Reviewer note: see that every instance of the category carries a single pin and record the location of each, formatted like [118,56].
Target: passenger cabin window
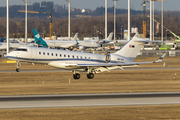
[77,57]
[39,53]
[60,55]
[68,56]
[56,55]
[47,53]
[43,53]
[21,49]
[81,57]
[52,54]
[73,56]
[64,55]
[85,58]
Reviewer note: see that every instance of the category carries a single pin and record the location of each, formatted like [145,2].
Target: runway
[89,100]
[160,68]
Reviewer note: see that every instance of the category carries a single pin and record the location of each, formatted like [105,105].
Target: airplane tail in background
[110,36]
[75,36]
[38,39]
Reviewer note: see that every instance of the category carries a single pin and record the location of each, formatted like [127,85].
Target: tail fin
[131,49]
[75,36]
[110,36]
[38,39]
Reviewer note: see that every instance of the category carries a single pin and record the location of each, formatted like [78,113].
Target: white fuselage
[14,45]
[61,58]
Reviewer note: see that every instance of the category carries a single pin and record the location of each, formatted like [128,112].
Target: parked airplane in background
[108,39]
[14,45]
[64,43]
[82,62]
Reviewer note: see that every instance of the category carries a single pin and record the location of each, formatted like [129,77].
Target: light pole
[17,31]
[105,19]
[114,21]
[69,19]
[43,32]
[129,19]
[7,32]
[150,19]
[153,20]
[94,30]
[162,22]
[97,33]
[121,32]
[25,1]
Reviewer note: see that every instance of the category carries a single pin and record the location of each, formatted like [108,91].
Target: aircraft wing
[69,45]
[116,64]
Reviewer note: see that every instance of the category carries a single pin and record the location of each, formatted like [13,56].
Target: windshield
[21,49]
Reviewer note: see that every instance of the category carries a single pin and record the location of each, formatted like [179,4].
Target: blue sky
[92,4]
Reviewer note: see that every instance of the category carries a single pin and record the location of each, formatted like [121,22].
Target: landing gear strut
[90,76]
[18,66]
[76,76]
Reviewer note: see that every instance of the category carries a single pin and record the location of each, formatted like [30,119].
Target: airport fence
[156,53]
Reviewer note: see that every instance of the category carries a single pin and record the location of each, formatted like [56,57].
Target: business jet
[81,62]
[14,45]
[64,43]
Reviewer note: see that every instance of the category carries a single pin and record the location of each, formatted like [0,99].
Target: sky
[172,5]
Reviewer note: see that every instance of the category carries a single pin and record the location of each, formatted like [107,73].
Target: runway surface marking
[88,100]
[171,68]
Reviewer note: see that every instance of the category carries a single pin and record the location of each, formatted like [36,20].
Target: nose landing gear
[18,66]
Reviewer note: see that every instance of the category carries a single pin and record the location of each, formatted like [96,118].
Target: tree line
[90,23]
[85,26]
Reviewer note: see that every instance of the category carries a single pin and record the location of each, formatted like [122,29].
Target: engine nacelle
[108,58]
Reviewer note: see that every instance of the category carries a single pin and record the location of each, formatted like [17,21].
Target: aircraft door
[33,53]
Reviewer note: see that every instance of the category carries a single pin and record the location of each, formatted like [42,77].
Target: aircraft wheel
[76,76]
[18,70]
[90,76]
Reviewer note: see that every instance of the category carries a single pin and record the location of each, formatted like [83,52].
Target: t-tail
[131,49]
[38,39]
[110,36]
[75,36]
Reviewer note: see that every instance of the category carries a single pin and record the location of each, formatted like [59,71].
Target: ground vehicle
[166,47]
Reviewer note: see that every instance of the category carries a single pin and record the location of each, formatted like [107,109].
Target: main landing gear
[18,66]
[90,75]
[76,76]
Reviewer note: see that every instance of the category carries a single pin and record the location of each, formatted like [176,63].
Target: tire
[90,76]
[18,70]
[76,76]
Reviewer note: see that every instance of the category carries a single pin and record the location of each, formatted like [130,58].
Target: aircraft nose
[8,55]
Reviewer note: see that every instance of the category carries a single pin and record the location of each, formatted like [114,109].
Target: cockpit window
[21,49]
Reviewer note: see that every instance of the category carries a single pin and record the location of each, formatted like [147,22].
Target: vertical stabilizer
[75,36]
[38,39]
[131,49]
[110,36]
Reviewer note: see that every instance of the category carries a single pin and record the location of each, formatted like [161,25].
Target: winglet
[160,59]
